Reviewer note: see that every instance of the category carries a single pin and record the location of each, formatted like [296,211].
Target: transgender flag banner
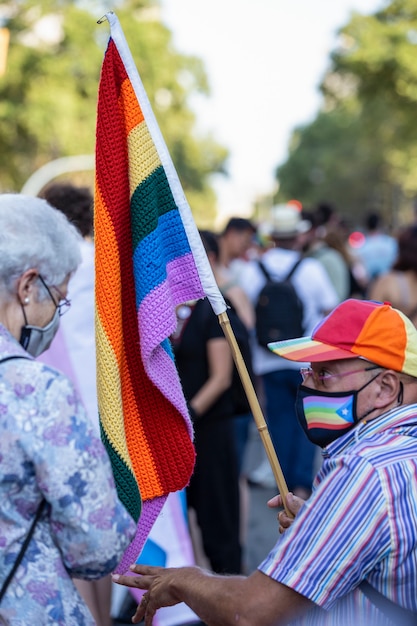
[148,259]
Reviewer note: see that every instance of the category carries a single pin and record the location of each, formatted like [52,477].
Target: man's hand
[158,583]
[294,504]
[217,600]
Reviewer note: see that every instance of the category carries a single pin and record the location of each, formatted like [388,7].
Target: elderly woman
[60,517]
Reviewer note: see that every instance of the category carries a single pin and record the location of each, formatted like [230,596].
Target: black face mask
[326,416]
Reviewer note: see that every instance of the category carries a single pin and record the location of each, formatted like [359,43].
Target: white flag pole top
[205,272]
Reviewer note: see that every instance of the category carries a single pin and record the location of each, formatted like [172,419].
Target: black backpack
[279,310]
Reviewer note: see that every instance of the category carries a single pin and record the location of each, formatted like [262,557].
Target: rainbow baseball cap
[358,328]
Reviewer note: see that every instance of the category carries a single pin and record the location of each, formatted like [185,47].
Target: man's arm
[218,600]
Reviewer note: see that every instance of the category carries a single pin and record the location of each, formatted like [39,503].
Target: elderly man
[350,555]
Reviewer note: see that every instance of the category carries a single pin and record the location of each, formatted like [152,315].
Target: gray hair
[35,235]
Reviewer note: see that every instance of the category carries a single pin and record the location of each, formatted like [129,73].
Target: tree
[333,160]
[363,143]
[48,96]
[379,56]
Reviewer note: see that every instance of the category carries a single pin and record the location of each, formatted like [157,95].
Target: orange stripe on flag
[130,110]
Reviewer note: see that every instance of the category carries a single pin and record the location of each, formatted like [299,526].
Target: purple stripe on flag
[150,511]
[182,284]
[168,384]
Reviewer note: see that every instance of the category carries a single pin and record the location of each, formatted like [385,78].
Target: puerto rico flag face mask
[326,416]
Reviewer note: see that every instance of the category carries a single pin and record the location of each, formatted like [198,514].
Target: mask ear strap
[401,394]
[363,387]
[368,383]
[24,314]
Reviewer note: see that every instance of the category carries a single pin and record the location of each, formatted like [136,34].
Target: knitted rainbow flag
[149,259]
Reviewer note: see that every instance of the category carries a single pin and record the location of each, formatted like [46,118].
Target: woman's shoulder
[26,365]
[34,382]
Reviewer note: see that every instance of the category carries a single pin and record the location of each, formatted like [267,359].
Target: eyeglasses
[64,304]
[306,372]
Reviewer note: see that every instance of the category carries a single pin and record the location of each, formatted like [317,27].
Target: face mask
[35,339]
[326,416]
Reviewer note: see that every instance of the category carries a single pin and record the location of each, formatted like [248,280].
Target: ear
[389,389]
[26,285]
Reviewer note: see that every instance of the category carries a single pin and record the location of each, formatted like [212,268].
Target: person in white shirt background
[278,377]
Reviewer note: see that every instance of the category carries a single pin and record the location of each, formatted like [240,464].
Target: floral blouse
[49,450]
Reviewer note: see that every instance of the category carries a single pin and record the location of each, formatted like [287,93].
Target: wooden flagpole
[255,407]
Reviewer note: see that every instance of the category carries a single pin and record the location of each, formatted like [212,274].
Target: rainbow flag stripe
[144,269]
[333,413]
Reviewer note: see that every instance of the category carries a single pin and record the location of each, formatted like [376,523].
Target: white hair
[35,235]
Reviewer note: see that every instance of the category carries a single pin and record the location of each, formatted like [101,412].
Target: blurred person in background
[74,349]
[56,484]
[235,242]
[379,249]
[280,378]
[338,238]
[399,285]
[313,244]
[242,319]
[326,216]
[223,250]
[205,366]
[242,308]
[334,231]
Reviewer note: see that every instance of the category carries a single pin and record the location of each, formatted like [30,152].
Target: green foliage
[48,96]
[361,151]
[332,160]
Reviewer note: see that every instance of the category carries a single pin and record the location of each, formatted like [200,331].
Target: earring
[26,300]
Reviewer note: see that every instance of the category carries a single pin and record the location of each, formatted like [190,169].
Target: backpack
[279,310]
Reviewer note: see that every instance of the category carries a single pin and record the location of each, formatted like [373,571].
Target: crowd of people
[338,388]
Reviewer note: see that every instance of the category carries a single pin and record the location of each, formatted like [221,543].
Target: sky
[264,60]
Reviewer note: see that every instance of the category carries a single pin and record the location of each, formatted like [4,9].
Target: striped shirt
[359,523]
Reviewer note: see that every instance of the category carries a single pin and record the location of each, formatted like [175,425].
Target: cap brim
[305,349]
